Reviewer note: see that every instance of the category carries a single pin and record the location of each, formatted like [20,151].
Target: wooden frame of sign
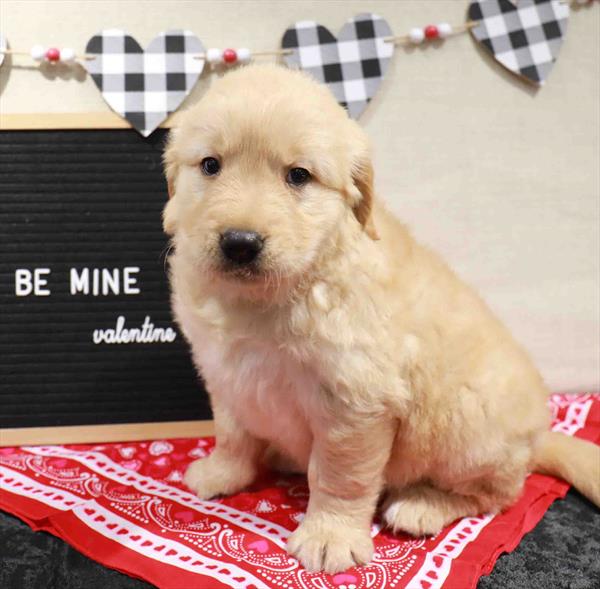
[63,121]
[74,292]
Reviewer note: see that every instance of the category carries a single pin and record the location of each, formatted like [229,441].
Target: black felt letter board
[86,335]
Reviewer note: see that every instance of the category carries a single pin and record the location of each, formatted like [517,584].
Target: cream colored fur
[356,353]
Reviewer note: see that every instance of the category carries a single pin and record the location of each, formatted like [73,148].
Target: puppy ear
[362,179]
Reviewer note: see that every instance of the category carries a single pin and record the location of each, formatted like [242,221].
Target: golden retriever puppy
[323,331]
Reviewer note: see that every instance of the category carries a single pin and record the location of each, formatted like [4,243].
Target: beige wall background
[501,179]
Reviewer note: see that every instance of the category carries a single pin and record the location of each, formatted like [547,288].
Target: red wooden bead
[431,32]
[53,54]
[229,56]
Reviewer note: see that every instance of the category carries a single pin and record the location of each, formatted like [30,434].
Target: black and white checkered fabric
[144,87]
[353,66]
[524,37]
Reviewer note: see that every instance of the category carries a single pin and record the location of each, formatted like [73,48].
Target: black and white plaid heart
[524,37]
[145,87]
[353,66]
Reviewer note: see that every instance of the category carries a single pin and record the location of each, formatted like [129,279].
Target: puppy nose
[241,247]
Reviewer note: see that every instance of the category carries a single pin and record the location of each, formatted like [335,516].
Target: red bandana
[124,505]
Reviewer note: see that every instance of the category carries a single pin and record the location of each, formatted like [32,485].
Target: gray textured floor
[562,552]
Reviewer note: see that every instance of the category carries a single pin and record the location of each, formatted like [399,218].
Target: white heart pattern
[264,506]
[175,476]
[524,37]
[352,66]
[160,447]
[197,453]
[127,452]
[144,87]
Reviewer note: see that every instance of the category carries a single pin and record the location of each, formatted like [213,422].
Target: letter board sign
[86,335]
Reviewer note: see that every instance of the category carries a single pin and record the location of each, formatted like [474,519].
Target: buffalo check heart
[145,87]
[524,37]
[352,66]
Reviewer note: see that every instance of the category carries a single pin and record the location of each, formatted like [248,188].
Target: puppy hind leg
[422,509]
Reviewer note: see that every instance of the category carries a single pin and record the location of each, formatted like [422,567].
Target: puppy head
[261,173]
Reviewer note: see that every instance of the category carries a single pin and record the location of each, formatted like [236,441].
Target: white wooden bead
[67,55]
[214,56]
[416,35]
[444,29]
[244,55]
[38,53]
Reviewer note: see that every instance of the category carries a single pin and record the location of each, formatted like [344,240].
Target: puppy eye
[210,166]
[298,176]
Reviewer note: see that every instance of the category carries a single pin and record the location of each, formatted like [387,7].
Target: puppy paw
[322,544]
[216,475]
[417,520]
[424,511]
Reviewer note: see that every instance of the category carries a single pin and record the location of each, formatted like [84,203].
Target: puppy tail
[572,459]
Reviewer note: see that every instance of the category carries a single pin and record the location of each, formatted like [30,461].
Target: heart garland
[352,66]
[524,37]
[145,87]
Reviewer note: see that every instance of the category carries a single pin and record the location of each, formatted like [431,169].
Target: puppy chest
[271,394]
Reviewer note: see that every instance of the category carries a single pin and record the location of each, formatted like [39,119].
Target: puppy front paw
[217,475]
[322,544]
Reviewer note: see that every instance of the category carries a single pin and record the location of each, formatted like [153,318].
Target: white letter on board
[23,283]
[39,282]
[80,283]
[130,281]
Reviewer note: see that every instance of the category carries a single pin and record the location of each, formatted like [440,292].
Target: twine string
[459,30]
[89,57]
[399,40]
[84,57]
